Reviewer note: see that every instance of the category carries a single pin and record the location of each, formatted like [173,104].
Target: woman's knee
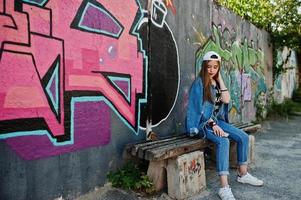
[224,142]
[244,137]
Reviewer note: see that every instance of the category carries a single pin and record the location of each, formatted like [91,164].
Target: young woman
[207,117]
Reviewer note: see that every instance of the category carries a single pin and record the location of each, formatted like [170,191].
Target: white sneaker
[249,179]
[225,193]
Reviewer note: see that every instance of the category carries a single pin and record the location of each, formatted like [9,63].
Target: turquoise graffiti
[278,68]
[285,72]
[238,58]
[285,60]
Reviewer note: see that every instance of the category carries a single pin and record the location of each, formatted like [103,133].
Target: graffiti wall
[242,68]
[81,79]
[286,81]
[69,70]
[245,51]
[64,66]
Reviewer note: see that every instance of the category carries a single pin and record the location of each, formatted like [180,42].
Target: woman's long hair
[206,81]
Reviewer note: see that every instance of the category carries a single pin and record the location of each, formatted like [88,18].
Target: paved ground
[278,163]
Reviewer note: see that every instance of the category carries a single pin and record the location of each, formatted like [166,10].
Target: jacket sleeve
[194,108]
[223,112]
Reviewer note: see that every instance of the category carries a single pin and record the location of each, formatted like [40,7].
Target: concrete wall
[76,76]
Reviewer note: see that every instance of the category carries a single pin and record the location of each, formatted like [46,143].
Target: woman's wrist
[212,123]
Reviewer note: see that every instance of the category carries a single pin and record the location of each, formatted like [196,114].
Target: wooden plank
[155,144]
[133,148]
[237,124]
[142,150]
[173,150]
[176,145]
[248,127]
[252,129]
[241,125]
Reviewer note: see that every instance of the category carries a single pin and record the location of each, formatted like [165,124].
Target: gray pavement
[278,163]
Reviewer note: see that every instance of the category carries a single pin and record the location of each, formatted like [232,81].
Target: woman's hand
[219,77]
[218,131]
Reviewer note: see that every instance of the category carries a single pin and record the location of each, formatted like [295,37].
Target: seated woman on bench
[207,117]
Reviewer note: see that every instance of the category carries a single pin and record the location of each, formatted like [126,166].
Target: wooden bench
[160,151]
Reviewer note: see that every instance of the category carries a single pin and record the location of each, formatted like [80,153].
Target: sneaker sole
[219,197]
[250,184]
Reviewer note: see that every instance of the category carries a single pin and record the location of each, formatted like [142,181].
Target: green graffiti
[212,45]
[237,58]
[278,68]
[235,90]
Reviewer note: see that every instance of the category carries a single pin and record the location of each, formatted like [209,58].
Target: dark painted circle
[163,75]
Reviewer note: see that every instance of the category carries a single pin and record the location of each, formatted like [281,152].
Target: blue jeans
[222,146]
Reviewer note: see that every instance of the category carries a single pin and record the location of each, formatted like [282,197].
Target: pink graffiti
[26,57]
[32,40]
[13,25]
[86,53]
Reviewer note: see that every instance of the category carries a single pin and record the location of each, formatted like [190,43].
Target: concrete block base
[157,173]
[186,175]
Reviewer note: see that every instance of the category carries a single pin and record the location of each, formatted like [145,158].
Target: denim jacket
[199,111]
